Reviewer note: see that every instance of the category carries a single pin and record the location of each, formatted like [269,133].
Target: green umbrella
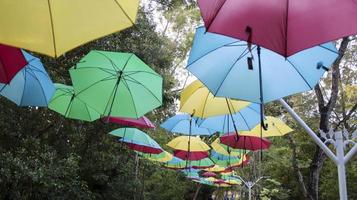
[137,140]
[65,102]
[117,84]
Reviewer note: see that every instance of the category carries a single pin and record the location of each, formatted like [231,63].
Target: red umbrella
[209,174]
[142,122]
[143,148]
[244,142]
[192,155]
[283,26]
[11,61]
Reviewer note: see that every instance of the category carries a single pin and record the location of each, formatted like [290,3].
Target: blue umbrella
[31,86]
[229,69]
[185,124]
[244,120]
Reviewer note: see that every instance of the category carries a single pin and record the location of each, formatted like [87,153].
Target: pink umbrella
[283,26]
[12,61]
[245,142]
[142,122]
[209,174]
[192,155]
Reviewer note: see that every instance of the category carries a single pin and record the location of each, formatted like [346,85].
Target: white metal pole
[341,165]
[312,134]
[250,192]
[350,153]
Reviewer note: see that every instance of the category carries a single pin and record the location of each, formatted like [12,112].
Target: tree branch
[294,161]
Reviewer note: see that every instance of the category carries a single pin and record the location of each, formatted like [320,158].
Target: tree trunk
[197,191]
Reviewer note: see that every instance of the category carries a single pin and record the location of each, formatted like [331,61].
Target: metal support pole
[312,134]
[341,165]
[349,155]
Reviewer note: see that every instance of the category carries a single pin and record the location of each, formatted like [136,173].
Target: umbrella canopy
[162,157]
[285,27]
[216,168]
[55,27]
[201,164]
[200,102]
[186,125]
[191,173]
[245,142]
[187,143]
[223,160]
[31,86]
[191,155]
[11,61]
[245,119]
[142,122]
[117,84]
[279,76]
[209,174]
[276,127]
[176,163]
[223,149]
[65,102]
[137,140]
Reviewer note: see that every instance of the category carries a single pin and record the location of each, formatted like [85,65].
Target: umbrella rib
[245,52]
[129,73]
[131,96]
[23,91]
[213,50]
[246,123]
[303,78]
[111,72]
[110,60]
[336,52]
[126,14]
[137,82]
[52,28]
[205,103]
[215,14]
[104,79]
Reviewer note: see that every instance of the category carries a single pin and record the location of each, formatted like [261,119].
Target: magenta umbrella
[142,122]
[12,61]
[209,174]
[283,26]
[244,142]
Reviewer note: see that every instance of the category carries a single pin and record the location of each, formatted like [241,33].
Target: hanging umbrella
[200,102]
[279,77]
[209,174]
[162,157]
[284,27]
[225,161]
[137,140]
[11,61]
[182,143]
[189,148]
[244,162]
[226,150]
[216,168]
[276,127]
[245,119]
[55,27]
[175,163]
[245,142]
[31,86]
[142,122]
[65,102]
[185,124]
[117,84]
[191,173]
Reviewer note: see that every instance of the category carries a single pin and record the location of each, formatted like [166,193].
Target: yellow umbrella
[276,127]
[226,150]
[212,179]
[215,168]
[55,27]
[197,99]
[181,143]
[161,157]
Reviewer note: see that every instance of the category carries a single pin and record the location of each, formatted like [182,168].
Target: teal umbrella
[137,140]
[65,102]
[117,84]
